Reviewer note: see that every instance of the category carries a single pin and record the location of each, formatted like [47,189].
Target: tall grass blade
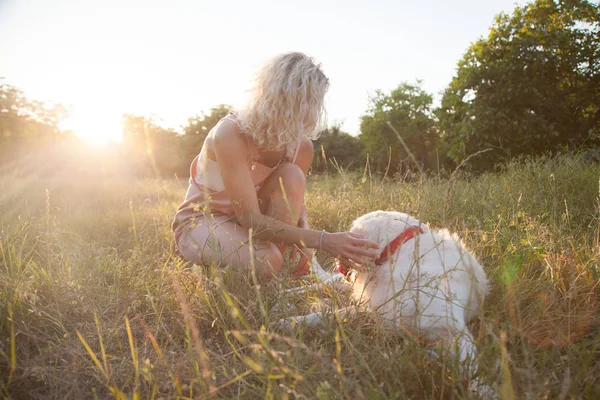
[134,358]
[92,355]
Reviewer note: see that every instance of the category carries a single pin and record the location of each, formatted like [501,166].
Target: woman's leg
[282,195]
[284,204]
[220,240]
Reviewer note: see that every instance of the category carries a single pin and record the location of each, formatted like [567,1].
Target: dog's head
[382,227]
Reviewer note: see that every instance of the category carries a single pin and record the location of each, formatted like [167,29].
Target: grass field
[94,302]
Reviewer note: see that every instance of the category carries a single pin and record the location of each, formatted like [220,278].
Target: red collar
[391,248]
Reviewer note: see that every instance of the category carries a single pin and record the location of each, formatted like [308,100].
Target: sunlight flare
[95,125]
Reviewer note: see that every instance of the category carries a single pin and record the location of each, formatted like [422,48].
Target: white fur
[431,287]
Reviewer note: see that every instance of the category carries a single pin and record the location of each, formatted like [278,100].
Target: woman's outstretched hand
[349,247]
[306,255]
[303,265]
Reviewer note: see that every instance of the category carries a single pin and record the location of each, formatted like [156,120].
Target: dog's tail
[480,287]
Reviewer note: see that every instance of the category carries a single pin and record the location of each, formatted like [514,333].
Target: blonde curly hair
[286,104]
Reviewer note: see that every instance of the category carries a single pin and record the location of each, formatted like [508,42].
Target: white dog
[424,281]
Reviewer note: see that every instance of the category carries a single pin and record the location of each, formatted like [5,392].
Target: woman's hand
[349,248]
[306,255]
[303,265]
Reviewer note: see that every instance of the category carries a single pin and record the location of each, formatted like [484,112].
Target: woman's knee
[294,180]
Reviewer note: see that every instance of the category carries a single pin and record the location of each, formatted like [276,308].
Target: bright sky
[179,57]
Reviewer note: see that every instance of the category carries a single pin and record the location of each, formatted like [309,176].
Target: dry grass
[94,302]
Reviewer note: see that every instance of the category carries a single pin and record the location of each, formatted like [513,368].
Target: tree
[531,86]
[409,109]
[152,149]
[197,129]
[346,150]
[26,126]
[155,150]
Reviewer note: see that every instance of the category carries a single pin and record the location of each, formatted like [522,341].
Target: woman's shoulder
[305,154]
[227,128]
[233,120]
[228,134]
[306,148]
[307,145]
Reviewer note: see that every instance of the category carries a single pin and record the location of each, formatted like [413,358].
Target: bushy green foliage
[151,149]
[532,86]
[26,126]
[197,129]
[409,109]
[156,151]
[335,148]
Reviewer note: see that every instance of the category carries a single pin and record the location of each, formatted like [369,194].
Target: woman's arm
[231,151]
[304,161]
[303,220]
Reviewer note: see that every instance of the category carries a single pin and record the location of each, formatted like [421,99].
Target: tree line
[532,86]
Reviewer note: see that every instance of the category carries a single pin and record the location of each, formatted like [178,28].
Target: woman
[251,175]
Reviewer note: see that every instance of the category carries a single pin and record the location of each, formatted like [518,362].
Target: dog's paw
[484,392]
[283,308]
[283,324]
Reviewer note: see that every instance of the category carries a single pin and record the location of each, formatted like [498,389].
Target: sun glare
[95,127]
